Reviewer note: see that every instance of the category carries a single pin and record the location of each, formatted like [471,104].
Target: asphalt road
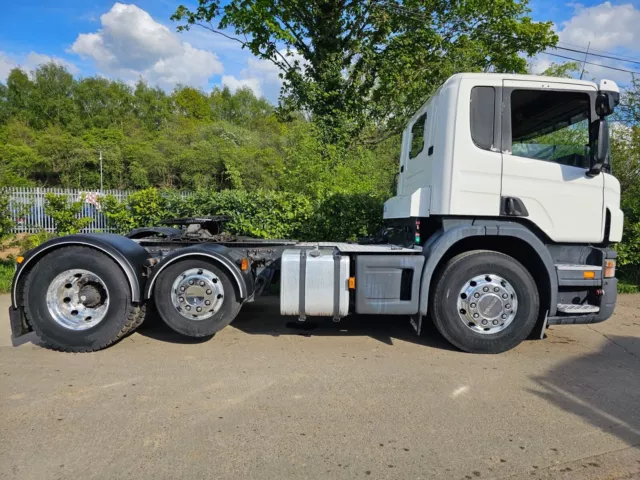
[363,398]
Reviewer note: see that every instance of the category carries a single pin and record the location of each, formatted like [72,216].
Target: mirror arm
[595,170]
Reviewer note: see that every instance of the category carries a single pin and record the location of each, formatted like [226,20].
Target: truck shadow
[263,318]
[601,388]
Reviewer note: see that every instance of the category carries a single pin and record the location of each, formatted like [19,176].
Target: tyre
[195,298]
[77,299]
[484,302]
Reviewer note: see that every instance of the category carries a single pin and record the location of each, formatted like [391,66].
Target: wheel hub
[197,294]
[77,299]
[487,304]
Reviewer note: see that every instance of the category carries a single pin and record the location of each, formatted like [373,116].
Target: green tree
[191,103]
[151,106]
[102,103]
[562,70]
[51,101]
[18,93]
[355,62]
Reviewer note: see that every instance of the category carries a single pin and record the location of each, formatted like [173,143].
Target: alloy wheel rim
[487,304]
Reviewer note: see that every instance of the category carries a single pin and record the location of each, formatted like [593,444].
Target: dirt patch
[9,252]
[11,247]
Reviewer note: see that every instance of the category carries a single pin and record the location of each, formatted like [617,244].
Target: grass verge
[624,287]
[628,279]
[6,275]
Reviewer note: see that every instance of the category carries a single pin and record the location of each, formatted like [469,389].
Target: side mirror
[606,103]
[601,156]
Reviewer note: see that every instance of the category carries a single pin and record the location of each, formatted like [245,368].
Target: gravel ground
[363,398]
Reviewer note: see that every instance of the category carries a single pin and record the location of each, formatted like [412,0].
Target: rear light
[589,275]
[609,268]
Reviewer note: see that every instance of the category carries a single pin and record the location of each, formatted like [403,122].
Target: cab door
[415,162]
[546,142]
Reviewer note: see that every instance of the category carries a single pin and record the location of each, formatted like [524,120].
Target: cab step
[577,309]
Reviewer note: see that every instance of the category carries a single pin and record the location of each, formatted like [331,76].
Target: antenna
[585,60]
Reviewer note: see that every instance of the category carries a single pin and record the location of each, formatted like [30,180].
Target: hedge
[260,213]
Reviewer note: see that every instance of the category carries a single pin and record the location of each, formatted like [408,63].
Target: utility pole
[584,62]
[100,171]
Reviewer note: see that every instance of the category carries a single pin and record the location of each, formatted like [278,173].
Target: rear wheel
[195,298]
[485,302]
[78,300]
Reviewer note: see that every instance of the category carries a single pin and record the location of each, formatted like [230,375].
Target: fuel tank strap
[303,281]
[336,285]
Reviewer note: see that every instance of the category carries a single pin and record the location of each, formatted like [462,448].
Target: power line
[624,58]
[577,60]
[590,52]
[410,13]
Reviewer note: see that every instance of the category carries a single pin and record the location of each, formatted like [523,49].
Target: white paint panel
[403,206]
[476,174]
[561,200]
[612,204]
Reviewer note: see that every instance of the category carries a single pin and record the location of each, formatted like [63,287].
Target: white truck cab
[496,145]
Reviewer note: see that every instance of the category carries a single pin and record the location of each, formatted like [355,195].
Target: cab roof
[515,76]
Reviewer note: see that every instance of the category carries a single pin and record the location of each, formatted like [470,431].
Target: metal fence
[27,208]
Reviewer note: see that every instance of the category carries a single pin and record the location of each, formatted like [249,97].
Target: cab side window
[417,136]
[482,109]
[552,126]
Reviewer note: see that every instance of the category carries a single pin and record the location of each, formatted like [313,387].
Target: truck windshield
[551,126]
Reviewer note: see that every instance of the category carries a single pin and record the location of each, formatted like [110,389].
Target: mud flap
[416,323]
[539,330]
[18,326]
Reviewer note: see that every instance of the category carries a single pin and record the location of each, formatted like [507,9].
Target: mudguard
[143,232]
[224,257]
[438,245]
[125,252]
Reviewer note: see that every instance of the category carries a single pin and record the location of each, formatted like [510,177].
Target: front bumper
[607,306]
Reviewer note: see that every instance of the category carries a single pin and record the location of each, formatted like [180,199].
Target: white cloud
[233,84]
[34,59]
[605,25]
[132,45]
[30,62]
[262,76]
[263,69]
[6,65]
[604,28]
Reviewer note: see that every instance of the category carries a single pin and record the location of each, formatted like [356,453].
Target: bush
[6,223]
[343,216]
[143,208]
[117,214]
[65,213]
[260,213]
[29,242]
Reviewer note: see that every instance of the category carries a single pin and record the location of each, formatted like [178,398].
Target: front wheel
[195,298]
[485,302]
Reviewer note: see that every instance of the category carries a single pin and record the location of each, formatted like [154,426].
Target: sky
[130,41]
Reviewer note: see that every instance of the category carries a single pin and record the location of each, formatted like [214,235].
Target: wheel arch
[505,237]
[127,254]
[218,254]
